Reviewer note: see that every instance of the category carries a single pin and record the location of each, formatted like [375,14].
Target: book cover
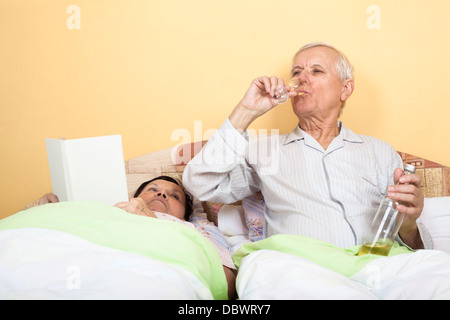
[88,169]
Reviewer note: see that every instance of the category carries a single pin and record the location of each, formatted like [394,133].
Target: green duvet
[343,261]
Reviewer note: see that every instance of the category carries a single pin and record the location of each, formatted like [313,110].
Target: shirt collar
[345,134]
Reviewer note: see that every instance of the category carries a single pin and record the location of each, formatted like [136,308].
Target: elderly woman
[162,194]
[164,198]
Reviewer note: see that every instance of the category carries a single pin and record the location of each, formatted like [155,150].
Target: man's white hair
[343,65]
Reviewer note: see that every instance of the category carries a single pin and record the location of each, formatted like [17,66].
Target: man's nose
[303,77]
[160,194]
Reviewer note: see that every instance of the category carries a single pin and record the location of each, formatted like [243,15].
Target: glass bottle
[385,225]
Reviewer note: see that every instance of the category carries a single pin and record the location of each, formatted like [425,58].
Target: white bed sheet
[267,274]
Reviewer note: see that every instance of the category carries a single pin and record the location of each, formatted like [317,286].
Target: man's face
[315,71]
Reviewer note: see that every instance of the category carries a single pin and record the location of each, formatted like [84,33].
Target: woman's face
[166,197]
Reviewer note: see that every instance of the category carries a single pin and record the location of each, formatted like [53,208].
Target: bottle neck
[405,173]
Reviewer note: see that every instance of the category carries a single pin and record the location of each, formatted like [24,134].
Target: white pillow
[231,223]
[242,223]
[436,217]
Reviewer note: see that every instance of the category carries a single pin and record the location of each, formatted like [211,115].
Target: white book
[89,169]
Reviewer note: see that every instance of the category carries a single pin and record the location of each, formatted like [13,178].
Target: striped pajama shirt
[331,195]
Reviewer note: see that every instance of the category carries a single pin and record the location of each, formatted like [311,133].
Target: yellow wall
[144,69]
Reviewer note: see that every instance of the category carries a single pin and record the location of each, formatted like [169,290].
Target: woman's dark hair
[189,203]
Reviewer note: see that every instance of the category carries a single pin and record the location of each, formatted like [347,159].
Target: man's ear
[347,89]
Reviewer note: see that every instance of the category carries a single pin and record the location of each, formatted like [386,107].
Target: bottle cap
[410,168]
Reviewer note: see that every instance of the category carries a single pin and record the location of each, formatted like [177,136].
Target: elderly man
[325,181]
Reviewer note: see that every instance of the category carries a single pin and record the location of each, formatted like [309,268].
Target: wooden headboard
[435,177]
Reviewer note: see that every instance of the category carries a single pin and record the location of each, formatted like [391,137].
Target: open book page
[89,169]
